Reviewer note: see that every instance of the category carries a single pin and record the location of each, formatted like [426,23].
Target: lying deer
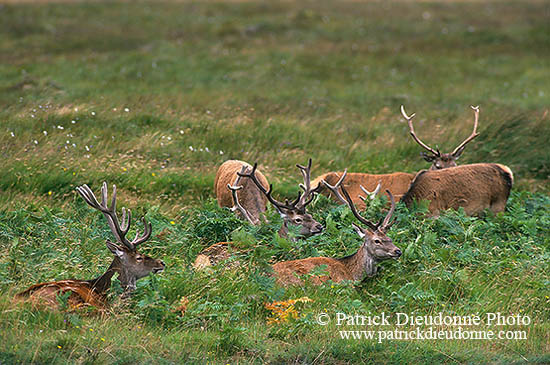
[442,160]
[128,263]
[253,188]
[360,183]
[474,187]
[377,246]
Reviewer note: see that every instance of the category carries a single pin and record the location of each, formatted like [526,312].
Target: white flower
[126,110]
[60,127]
[13,135]
[45,133]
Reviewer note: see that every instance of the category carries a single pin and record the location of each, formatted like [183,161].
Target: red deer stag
[128,263]
[293,213]
[256,191]
[377,246]
[474,187]
[442,160]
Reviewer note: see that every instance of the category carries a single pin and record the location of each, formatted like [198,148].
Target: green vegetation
[153,96]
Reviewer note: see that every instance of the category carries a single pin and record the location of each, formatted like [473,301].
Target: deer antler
[334,188]
[237,205]
[386,222]
[119,231]
[355,213]
[267,193]
[370,195]
[309,194]
[457,151]
[413,134]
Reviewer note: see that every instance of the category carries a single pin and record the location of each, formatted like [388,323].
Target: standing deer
[442,160]
[377,246]
[128,263]
[474,187]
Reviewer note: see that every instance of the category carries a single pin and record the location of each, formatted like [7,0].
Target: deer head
[128,262]
[293,213]
[442,160]
[377,246]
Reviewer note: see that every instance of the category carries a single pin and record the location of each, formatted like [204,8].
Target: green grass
[153,96]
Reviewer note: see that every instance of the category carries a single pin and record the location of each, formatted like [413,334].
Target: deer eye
[298,220]
[377,241]
[139,258]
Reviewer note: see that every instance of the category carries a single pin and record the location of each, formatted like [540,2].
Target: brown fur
[46,294]
[288,272]
[474,187]
[250,196]
[398,183]
[214,254]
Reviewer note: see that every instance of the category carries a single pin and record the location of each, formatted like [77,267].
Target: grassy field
[153,96]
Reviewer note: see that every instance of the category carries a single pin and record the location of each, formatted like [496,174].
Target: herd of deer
[242,188]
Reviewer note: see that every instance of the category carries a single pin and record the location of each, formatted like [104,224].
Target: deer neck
[360,263]
[102,283]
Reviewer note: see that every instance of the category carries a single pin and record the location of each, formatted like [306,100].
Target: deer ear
[360,231]
[115,249]
[427,156]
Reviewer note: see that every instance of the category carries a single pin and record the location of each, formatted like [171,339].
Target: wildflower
[153,174]
[60,127]
[102,339]
[59,347]
[13,135]
[191,148]
[45,133]
[50,192]
[221,152]
[172,222]
[126,110]
[124,169]
[284,310]
[93,113]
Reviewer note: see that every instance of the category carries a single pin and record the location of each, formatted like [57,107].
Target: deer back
[288,272]
[398,183]
[81,294]
[474,187]
[250,196]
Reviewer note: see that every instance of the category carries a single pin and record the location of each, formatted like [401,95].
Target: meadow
[153,95]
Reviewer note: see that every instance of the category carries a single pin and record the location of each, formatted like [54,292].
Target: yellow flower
[172,222]
[50,192]
[153,174]
[91,330]
[58,346]
[102,339]
[124,169]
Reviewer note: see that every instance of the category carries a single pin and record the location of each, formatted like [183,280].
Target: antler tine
[413,134]
[354,211]
[474,132]
[334,188]
[386,223]
[147,230]
[267,193]
[370,194]
[309,194]
[109,213]
[237,205]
